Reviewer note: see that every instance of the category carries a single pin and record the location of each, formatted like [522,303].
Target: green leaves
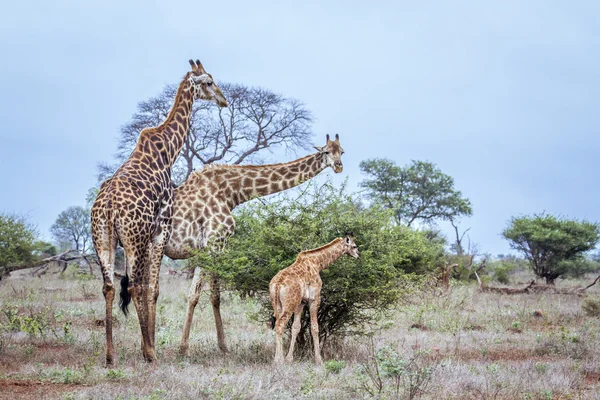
[553,246]
[17,240]
[419,191]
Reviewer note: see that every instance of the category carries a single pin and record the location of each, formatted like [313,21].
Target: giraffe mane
[173,110]
[213,167]
[318,249]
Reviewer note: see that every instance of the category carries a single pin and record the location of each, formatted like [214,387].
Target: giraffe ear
[347,239]
[319,148]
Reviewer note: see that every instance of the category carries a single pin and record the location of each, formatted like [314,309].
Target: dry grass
[461,345]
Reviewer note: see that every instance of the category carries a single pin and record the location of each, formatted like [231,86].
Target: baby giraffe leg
[314,329]
[280,324]
[295,330]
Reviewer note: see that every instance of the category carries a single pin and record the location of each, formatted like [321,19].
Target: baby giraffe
[300,283]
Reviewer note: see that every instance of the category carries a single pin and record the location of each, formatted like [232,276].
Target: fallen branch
[532,288]
[42,265]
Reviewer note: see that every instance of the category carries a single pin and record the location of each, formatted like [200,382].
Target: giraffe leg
[156,249]
[280,324]
[109,294]
[215,300]
[314,329]
[295,330]
[140,296]
[139,290]
[193,296]
[106,246]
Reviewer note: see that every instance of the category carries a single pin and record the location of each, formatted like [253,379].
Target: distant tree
[256,119]
[553,246]
[418,191]
[17,240]
[72,229]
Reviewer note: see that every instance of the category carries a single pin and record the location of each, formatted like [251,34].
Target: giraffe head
[331,154]
[203,86]
[350,246]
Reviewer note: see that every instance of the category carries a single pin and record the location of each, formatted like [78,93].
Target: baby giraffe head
[203,86]
[331,154]
[350,247]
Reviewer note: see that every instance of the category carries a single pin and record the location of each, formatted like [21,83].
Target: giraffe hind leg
[106,246]
[138,289]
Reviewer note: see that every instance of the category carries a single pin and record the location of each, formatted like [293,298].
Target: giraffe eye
[209,83]
[326,152]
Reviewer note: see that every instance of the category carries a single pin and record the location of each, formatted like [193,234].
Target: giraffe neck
[173,132]
[326,255]
[263,180]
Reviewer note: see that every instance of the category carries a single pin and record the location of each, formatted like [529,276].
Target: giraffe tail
[125,297]
[274,292]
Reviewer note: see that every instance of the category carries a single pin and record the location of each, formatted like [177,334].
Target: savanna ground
[459,345]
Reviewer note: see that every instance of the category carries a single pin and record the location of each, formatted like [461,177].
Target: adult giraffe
[202,212]
[134,207]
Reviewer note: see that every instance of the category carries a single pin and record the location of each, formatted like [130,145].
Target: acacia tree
[255,119]
[72,229]
[553,246]
[418,191]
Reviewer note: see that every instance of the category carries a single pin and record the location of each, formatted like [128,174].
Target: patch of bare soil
[27,389]
[592,377]
[45,353]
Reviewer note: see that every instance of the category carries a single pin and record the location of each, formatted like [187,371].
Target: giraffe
[301,283]
[134,208]
[202,212]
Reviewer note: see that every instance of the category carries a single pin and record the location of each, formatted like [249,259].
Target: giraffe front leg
[215,300]
[314,329]
[193,297]
[295,330]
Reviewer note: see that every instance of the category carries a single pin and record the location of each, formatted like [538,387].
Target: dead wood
[533,287]
[42,265]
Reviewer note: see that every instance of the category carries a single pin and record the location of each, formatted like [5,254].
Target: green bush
[17,240]
[335,366]
[591,306]
[270,235]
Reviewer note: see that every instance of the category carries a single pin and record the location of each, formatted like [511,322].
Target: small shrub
[335,366]
[115,374]
[591,306]
[541,368]
[387,372]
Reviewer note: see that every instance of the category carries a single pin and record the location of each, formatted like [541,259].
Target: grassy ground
[460,345]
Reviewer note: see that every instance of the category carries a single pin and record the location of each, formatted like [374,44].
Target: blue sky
[502,96]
